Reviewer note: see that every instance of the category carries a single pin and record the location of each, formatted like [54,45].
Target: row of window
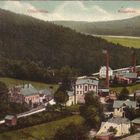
[90,86]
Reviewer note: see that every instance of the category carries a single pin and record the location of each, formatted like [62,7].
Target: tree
[71,132]
[123,94]
[92,110]
[3,92]
[61,98]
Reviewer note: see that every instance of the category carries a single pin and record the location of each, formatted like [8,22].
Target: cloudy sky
[74,10]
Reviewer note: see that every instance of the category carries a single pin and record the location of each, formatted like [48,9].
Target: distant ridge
[124,27]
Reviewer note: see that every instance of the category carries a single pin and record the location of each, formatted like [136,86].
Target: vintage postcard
[69,70]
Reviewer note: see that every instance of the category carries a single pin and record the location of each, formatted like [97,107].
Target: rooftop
[129,75]
[28,90]
[120,103]
[87,80]
[137,121]
[9,117]
[118,120]
[70,93]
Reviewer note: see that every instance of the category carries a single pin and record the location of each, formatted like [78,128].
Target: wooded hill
[44,44]
[125,27]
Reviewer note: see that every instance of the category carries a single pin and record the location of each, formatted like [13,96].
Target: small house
[120,105]
[121,125]
[10,120]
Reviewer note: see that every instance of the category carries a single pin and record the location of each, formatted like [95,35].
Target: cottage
[84,85]
[102,72]
[121,125]
[120,105]
[10,120]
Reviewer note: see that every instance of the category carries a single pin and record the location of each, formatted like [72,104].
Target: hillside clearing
[12,82]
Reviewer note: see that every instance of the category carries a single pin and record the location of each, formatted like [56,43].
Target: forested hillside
[29,48]
[125,27]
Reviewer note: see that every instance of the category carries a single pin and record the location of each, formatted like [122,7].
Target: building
[102,72]
[84,85]
[71,100]
[46,95]
[126,78]
[120,105]
[122,126]
[10,120]
[24,94]
[136,123]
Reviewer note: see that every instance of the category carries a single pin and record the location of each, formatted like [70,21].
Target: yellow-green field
[131,88]
[128,42]
[12,82]
[41,132]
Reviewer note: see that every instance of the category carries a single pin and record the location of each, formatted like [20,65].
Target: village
[115,109]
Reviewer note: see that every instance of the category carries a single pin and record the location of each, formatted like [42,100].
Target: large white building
[84,85]
[102,72]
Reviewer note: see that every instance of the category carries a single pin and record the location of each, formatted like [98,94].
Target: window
[77,92]
[85,88]
[80,86]
[80,92]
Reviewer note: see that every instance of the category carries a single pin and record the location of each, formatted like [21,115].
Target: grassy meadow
[41,132]
[12,82]
[127,42]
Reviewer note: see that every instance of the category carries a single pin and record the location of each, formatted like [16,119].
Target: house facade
[102,72]
[84,85]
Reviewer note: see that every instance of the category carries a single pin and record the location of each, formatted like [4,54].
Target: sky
[74,10]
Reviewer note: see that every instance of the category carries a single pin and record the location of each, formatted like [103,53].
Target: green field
[128,42]
[131,88]
[12,82]
[40,132]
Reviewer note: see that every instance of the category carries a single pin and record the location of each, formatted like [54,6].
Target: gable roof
[120,103]
[28,90]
